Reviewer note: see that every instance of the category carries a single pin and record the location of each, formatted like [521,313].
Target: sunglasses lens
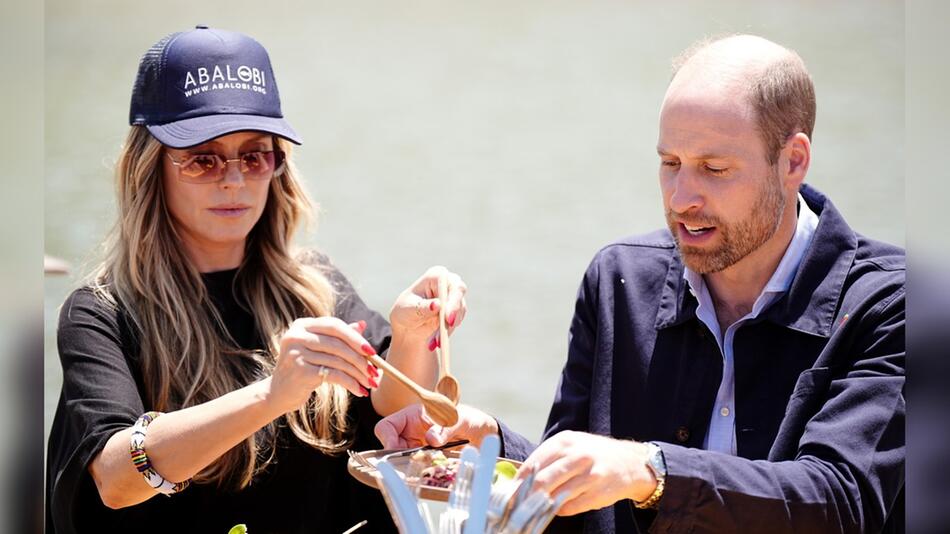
[201,168]
[257,165]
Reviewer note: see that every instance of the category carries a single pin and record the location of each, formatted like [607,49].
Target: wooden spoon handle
[439,407]
[397,374]
[443,329]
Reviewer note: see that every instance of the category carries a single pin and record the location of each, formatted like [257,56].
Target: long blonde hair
[187,356]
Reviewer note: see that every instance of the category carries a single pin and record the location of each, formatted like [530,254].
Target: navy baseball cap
[196,85]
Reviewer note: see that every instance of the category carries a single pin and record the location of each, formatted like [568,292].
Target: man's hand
[411,427]
[595,471]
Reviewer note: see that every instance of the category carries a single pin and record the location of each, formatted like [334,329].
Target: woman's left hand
[415,314]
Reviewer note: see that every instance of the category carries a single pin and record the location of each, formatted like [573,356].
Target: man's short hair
[782,95]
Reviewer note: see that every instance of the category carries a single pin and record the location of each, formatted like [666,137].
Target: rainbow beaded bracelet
[140,459]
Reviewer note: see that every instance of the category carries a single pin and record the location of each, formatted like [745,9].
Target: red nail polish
[371,369]
[438,342]
[362,325]
[373,382]
[432,306]
[432,345]
[451,319]
[364,391]
[367,349]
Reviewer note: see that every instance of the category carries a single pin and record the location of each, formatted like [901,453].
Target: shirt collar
[781,278]
[810,301]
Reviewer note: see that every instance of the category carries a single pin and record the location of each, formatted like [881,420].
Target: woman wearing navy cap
[204,349]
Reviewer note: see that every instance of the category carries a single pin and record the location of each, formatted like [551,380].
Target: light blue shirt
[721,435]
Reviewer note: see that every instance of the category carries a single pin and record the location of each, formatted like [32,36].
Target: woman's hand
[415,314]
[315,350]
[415,325]
[411,427]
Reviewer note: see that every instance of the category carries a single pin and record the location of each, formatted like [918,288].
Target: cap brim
[190,132]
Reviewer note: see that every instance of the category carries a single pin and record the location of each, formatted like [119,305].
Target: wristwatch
[656,463]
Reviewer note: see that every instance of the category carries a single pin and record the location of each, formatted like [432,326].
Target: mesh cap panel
[147,90]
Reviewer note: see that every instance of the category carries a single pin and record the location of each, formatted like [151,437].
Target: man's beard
[736,240]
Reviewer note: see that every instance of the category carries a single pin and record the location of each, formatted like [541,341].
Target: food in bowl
[433,468]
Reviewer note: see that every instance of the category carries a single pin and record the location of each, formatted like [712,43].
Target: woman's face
[214,219]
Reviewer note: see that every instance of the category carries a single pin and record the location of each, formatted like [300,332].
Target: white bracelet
[140,459]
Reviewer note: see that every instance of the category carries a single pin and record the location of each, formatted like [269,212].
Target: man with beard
[743,370]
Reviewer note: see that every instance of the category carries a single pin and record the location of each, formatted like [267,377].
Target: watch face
[657,461]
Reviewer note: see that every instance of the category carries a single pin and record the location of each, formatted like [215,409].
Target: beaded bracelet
[140,459]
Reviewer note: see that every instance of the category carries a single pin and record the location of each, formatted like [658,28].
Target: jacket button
[682,434]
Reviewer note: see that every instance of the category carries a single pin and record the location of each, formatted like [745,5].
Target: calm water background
[508,141]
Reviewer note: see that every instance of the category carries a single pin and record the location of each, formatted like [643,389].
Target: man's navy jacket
[819,387]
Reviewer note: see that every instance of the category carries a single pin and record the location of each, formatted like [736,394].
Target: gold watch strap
[654,498]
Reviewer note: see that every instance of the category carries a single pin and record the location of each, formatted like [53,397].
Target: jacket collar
[810,303]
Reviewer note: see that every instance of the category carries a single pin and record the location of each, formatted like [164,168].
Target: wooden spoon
[447,384]
[440,409]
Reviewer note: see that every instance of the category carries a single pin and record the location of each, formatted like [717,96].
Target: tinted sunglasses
[211,168]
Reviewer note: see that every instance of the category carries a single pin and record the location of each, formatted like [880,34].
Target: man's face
[721,197]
